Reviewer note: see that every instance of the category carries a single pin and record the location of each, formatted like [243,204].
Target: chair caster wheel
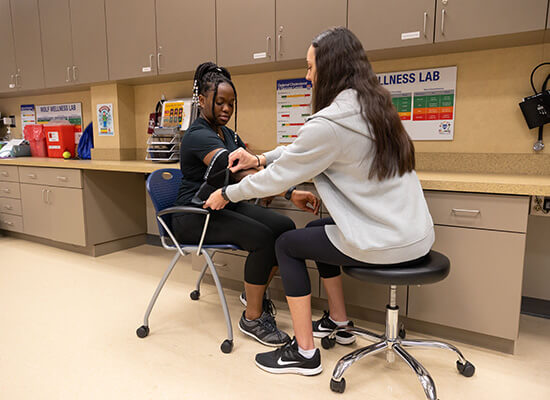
[402,333]
[467,369]
[328,343]
[142,331]
[195,294]
[338,387]
[227,346]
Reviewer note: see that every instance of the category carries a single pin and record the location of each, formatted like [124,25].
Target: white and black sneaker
[324,326]
[264,330]
[288,360]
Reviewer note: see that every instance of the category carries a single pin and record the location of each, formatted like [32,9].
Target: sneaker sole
[292,370]
[259,340]
[339,340]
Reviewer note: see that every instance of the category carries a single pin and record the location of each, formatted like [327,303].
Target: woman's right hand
[245,160]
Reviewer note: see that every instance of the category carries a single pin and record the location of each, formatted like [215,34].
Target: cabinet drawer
[9,173]
[10,189]
[51,176]
[10,206]
[11,222]
[228,265]
[499,212]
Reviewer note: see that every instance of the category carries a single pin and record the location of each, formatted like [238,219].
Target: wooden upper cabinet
[245,32]
[55,25]
[384,24]
[131,38]
[28,50]
[466,19]
[186,34]
[7,66]
[298,22]
[89,41]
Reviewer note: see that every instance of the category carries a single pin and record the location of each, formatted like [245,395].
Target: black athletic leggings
[309,243]
[253,228]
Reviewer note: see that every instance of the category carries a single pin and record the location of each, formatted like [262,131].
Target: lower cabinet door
[483,290]
[36,211]
[67,213]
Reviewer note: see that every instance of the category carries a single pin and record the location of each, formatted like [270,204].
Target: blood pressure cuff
[217,175]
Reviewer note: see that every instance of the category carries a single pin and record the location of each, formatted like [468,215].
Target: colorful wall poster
[28,115]
[425,100]
[71,112]
[176,113]
[105,120]
[293,107]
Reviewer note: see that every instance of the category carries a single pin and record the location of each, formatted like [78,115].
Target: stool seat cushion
[431,268]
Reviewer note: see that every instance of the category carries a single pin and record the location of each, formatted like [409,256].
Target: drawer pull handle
[218,265]
[8,223]
[4,173]
[32,176]
[8,207]
[6,190]
[473,213]
[62,178]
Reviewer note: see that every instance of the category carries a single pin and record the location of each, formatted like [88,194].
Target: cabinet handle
[218,265]
[425,21]
[473,213]
[62,178]
[48,191]
[6,190]
[279,39]
[158,58]
[5,173]
[151,62]
[68,75]
[32,176]
[44,195]
[17,82]
[12,85]
[8,223]
[8,207]
[443,21]
[74,73]
[268,46]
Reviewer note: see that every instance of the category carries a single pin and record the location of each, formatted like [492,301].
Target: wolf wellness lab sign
[425,100]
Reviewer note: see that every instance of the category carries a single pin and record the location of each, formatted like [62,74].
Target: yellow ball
[66,155]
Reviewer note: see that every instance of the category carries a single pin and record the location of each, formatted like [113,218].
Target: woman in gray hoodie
[357,153]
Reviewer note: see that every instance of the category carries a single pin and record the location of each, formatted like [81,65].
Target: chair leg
[364,333]
[432,343]
[423,376]
[345,362]
[227,345]
[159,288]
[198,285]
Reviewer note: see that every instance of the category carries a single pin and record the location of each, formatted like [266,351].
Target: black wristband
[259,164]
[288,193]
[224,195]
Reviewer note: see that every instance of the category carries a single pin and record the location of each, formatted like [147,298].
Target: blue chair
[162,186]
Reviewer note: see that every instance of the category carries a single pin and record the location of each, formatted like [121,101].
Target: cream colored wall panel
[507,213]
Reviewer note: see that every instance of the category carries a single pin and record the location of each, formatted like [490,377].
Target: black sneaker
[264,330]
[267,306]
[287,360]
[324,326]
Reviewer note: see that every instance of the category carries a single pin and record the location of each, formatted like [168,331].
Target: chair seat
[431,268]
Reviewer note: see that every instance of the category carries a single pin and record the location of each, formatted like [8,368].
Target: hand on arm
[245,160]
[306,201]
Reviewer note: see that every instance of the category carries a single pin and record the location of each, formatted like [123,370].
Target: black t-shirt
[199,140]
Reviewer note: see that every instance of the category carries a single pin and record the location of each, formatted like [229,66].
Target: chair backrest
[163,186]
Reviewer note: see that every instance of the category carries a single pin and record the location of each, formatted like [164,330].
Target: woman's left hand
[215,201]
[306,201]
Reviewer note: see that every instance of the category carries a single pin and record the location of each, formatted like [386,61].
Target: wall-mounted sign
[105,120]
[293,107]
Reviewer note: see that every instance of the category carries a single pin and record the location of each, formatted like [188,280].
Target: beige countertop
[520,184]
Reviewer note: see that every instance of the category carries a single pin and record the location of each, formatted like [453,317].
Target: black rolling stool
[431,268]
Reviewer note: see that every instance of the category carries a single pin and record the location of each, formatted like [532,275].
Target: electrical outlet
[540,205]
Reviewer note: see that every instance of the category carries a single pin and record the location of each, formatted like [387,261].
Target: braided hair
[208,76]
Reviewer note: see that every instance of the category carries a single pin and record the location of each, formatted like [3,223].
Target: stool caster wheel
[227,346]
[338,387]
[328,343]
[467,369]
[195,294]
[142,331]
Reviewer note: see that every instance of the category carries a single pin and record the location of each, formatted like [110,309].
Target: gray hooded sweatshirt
[379,222]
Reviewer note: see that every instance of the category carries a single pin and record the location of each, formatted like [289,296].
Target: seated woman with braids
[203,154]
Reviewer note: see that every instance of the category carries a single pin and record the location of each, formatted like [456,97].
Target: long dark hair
[208,76]
[341,63]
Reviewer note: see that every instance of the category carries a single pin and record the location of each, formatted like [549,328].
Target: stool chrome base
[393,344]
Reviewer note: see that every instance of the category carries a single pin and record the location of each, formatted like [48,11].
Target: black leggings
[309,243]
[253,228]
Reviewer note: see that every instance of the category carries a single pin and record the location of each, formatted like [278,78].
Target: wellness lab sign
[425,100]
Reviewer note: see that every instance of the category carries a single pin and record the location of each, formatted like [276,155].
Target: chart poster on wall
[425,100]
[28,115]
[105,119]
[293,107]
[71,112]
